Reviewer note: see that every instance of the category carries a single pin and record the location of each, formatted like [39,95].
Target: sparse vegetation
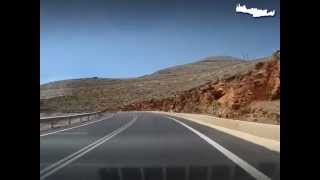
[104,93]
[95,94]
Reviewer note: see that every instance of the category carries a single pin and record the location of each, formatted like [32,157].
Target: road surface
[147,146]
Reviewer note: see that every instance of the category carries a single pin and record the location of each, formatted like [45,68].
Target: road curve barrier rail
[57,121]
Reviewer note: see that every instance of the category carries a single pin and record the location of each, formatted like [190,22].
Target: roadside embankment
[265,135]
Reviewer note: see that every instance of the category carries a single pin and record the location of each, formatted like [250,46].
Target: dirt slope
[79,95]
[252,96]
[222,86]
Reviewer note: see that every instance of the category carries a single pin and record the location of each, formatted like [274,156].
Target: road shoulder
[268,143]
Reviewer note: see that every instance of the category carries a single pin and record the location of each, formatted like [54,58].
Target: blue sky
[118,39]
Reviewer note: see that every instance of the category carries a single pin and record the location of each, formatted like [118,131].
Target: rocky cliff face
[252,96]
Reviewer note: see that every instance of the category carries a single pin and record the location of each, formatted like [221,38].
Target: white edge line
[69,159]
[237,160]
[85,124]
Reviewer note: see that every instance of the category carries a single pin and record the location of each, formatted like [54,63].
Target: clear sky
[129,38]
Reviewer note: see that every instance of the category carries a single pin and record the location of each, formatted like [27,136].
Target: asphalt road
[146,146]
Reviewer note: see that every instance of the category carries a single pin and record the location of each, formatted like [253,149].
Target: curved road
[147,146]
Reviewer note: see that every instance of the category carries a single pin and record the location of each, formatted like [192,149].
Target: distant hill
[97,93]
[92,94]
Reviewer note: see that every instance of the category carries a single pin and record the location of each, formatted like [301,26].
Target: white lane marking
[85,124]
[69,159]
[237,160]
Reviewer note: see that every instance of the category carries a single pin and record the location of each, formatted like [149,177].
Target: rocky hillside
[253,95]
[90,94]
[224,86]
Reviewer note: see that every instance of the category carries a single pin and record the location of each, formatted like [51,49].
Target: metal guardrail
[81,117]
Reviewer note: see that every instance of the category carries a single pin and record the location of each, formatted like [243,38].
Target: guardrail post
[69,121]
[51,124]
